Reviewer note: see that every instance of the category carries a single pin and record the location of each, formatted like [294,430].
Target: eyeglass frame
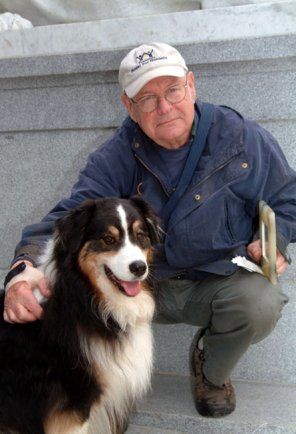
[185,85]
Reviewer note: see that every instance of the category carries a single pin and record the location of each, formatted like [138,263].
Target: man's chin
[171,131]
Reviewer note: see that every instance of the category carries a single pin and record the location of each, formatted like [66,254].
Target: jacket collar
[225,140]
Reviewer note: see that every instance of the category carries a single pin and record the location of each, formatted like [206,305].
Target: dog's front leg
[65,423]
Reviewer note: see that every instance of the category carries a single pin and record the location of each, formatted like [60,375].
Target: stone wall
[60,99]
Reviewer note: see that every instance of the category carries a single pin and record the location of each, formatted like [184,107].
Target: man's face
[169,125]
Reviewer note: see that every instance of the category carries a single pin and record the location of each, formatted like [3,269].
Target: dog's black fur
[42,366]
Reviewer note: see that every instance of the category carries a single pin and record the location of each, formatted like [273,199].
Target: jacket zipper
[156,176]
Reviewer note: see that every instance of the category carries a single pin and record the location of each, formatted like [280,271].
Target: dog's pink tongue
[131,288]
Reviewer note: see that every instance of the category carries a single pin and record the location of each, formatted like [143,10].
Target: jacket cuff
[30,252]
[24,257]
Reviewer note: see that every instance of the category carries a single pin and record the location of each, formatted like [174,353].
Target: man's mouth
[130,288]
[166,122]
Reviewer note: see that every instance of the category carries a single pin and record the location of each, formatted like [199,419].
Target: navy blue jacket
[218,215]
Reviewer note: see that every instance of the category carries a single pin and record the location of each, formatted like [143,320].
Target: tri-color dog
[84,365]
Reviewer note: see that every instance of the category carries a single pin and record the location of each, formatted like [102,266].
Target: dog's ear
[150,218]
[70,229]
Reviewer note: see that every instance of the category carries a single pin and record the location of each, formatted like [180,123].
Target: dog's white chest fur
[126,369]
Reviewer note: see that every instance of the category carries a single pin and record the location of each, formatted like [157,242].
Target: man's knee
[254,303]
[263,310]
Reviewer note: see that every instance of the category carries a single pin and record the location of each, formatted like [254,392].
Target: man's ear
[70,229]
[129,106]
[191,86]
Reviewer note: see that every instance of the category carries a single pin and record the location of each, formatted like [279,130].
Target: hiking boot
[210,400]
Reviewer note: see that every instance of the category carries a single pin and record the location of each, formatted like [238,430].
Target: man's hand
[20,304]
[255,252]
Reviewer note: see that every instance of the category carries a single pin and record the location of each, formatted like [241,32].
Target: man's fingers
[32,306]
[6,316]
[254,250]
[20,305]
[281,264]
[22,316]
[44,287]
[255,254]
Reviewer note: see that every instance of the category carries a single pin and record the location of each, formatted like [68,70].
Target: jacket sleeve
[274,181]
[109,172]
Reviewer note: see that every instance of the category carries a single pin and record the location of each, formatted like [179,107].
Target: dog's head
[110,240]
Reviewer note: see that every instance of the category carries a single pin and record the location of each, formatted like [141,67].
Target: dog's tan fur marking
[150,255]
[114,231]
[136,225]
[89,261]
[87,264]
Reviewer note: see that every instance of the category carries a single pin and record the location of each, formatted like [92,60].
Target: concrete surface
[204,26]
[261,408]
[136,429]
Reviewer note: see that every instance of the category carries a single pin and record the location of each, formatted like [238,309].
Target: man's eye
[108,239]
[147,99]
[173,90]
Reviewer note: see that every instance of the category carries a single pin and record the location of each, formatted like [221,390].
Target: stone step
[169,408]
[140,429]
[222,24]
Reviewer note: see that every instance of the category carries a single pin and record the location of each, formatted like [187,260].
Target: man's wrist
[18,268]
[29,274]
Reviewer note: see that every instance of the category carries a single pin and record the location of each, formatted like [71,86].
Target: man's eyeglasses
[173,95]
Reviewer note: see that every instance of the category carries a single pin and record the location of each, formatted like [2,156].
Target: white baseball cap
[149,61]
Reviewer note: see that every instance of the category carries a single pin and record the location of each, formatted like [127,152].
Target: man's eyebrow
[149,93]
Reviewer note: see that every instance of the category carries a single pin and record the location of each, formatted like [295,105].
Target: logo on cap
[145,58]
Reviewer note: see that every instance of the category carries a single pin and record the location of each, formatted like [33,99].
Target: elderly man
[203,169]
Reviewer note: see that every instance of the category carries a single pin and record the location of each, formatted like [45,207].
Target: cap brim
[173,71]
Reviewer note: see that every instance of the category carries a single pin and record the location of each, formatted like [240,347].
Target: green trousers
[235,311]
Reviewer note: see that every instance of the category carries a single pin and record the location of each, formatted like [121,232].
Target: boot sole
[204,410]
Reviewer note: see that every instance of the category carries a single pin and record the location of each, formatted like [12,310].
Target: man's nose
[163,106]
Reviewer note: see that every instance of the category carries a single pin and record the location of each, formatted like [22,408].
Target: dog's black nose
[138,268]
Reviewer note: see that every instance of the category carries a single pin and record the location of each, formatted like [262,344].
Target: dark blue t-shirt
[173,160]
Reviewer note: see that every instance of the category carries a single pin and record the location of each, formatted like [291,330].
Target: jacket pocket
[238,224]
[228,222]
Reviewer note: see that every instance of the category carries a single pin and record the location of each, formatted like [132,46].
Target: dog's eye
[141,236]
[108,239]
